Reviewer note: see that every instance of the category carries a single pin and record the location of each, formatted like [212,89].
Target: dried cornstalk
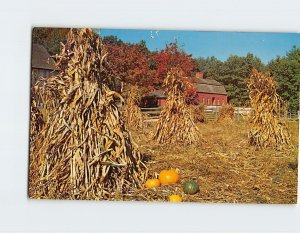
[37,120]
[267,128]
[176,122]
[46,95]
[198,112]
[226,113]
[82,149]
[132,112]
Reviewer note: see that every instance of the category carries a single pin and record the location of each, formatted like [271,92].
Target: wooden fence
[212,111]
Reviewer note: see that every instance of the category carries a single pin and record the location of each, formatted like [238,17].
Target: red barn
[209,92]
[154,99]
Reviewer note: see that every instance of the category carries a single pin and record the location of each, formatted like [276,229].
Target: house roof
[209,86]
[206,81]
[41,59]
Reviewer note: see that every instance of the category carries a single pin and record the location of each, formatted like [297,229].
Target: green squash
[190,187]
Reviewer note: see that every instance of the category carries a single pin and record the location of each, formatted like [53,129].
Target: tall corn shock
[132,112]
[198,111]
[267,128]
[176,121]
[226,113]
[83,150]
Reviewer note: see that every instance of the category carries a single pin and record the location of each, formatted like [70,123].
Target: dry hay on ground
[226,113]
[83,150]
[176,122]
[132,113]
[267,129]
[225,167]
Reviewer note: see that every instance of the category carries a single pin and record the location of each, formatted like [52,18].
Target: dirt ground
[226,168]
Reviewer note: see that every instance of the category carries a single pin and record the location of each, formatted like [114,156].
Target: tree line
[234,72]
[135,64]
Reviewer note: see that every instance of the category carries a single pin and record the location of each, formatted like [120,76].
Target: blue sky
[266,46]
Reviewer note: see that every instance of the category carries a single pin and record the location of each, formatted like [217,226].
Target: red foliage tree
[129,62]
[134,64]
[170,57]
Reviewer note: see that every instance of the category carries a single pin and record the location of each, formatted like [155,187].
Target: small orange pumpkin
[168,177]
[152,183]
[175,198]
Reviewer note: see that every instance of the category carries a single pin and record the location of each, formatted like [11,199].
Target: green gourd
[190,187]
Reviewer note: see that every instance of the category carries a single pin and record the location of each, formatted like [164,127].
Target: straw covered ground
[82,147]
[227,169]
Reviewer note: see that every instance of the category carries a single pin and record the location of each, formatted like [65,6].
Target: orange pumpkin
[175,198]
[168,177]
[152,183]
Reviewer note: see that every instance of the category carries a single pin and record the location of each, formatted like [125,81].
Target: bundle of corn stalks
[46,94]
[132,113]
[226,113]
[36,121]
[176,122]
[267,127]
[82,149]
[198,112]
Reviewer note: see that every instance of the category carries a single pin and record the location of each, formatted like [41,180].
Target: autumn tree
[173,57]
[170,57]
[50,38]
[128,62]
[112,40]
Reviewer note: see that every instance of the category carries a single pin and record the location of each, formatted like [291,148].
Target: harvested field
[86,144]
[227,169]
